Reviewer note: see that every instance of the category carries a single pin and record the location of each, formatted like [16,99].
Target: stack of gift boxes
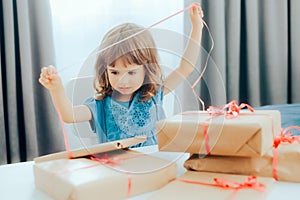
[234,154]
[229,145]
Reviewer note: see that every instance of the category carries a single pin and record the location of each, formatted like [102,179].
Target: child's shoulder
[93,100]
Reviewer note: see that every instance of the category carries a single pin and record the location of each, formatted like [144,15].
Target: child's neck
[122,97]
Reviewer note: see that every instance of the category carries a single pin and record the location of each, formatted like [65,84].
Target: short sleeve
[92,105]
[97,122]
[158,101]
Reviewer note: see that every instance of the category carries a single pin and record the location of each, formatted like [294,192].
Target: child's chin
[125,92]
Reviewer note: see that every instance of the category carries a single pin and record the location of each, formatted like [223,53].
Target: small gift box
[201,185]
[116,174]
[249,134]
[285,167]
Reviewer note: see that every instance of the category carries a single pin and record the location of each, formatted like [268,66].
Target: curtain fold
[29,123]
[294,50]
[254,54]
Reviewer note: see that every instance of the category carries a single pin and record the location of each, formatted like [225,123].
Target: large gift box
[286,166]
[116,174]
[201,185]
[250,134]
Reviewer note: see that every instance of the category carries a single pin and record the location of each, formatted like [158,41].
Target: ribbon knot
[251,182]
[106,160]
[286,136]
[230,110]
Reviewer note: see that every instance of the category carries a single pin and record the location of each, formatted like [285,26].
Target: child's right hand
[50,79]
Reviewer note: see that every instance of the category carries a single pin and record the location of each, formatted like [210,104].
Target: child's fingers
[48,72]
[196,9]
[51,70]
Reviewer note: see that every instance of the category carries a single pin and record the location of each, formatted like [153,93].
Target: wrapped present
[201,185]
[116,174]
[126,174]
[286,167]
[247,134]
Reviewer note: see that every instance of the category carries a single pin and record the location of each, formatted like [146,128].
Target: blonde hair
[139,49]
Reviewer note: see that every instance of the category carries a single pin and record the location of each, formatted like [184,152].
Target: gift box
[116,174]
[82,178]
[287,163]
[98,148]
[250,134]
[201,185]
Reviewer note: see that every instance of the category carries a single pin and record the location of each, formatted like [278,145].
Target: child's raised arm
[191,53]
[50,79]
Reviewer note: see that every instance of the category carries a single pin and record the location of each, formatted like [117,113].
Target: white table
[17,181]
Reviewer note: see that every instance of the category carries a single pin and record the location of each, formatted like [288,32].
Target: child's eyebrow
[112,69]
[126,69]
[131,70]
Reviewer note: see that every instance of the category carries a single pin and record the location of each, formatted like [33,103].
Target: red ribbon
[230,110]
[112,162]
[105,160]
[284,137]
[250,183]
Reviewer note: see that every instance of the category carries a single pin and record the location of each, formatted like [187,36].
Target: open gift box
[201,185]
[115,174]
[250,134]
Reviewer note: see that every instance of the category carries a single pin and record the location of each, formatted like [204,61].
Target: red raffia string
[284,137]
[129,183]
[250,183]
[67,146]
[230,110]
[204,68]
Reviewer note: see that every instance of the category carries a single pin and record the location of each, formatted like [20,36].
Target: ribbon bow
[286,136]
[251,182]
[230,110]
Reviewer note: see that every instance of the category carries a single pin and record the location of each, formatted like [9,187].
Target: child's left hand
[196,15]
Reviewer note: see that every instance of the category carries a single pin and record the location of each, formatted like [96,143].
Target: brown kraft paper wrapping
[288,162]
[181,190]
[81,178]
[98,148]
[250,134]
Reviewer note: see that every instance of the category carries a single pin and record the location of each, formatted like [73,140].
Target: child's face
[126,78]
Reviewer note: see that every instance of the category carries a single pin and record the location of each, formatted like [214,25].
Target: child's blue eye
[131,73]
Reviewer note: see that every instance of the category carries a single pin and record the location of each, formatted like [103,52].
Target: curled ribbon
[230,110]
[250,183]
[284,137]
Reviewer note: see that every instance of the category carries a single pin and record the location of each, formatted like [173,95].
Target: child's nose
[124,79]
